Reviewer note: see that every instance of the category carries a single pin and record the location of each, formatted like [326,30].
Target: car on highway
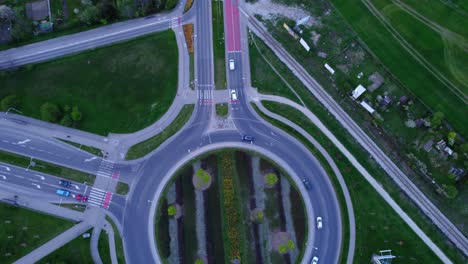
[314,260]
[231,65]
[233,95]
[63,192]
[247,138]
[319,223]
[307,184]
[65,183]
[81,198]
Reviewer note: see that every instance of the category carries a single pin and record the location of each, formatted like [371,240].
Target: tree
[10,101]
[451,191]
[271,179]
[171,210]
[89,15]
[464,148]
[451,138]
[436,119]
[50,112]
[6,13]
[170,4]
[66,121]
[76,114]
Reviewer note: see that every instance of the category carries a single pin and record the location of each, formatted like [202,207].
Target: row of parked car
[67,193]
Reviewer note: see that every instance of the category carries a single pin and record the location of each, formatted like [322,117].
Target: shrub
[451,191]
[50,112]
[10,101]
[199,261]
[171,210]
[170,4]
[271,179]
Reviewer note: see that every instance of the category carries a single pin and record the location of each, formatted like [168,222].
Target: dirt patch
[270,10]
[376,80]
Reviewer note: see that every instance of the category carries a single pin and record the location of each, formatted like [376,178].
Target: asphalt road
[38,181]
[137,219]
[69,44]
[134,212]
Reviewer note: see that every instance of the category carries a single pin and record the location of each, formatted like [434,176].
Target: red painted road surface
[232,25]
[107,200]
[115,175]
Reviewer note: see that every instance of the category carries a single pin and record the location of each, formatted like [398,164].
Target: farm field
[446,56]
[229,205]
[122,91]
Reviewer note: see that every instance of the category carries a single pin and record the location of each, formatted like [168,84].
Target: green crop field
[118,88]
[446,88]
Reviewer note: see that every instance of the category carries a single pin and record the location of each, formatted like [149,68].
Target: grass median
[89,149]
[222,109]
[117,88]
[141,149]
[218,44]
[45,167]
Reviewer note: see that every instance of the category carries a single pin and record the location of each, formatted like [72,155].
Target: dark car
[307,184]
[247,138]
[65,183]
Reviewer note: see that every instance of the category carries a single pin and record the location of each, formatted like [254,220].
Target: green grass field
[118,88]
[410,72]
[141,149]
[76,251]
[24,230]
[103,247]
[222,109]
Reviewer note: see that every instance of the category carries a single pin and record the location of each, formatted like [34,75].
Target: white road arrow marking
[41,177]
[23,142]
[76,186]
[7,168]
[90,159]
[3,177]
[37,185]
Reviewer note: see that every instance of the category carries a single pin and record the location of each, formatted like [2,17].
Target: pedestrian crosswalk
[205,94]
[106,169]
[98,197]
[175,22]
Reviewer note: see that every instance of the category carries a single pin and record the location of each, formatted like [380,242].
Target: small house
[358,92]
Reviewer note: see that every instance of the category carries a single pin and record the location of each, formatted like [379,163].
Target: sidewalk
[54,244]
[378,188]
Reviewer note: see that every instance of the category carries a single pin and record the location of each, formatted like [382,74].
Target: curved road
[196,137]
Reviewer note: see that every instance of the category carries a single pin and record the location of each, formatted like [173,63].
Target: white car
[233,95]
[319,222]
[231,65]
[314,260]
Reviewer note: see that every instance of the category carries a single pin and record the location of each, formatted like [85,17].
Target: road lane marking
[40,176]
[7,168]
[3,177]
[91,159]
[23,142]
[37,185]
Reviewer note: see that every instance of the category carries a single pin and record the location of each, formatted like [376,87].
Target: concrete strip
[54,244]
[378,188]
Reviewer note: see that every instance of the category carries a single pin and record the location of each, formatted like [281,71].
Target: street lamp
[16,110]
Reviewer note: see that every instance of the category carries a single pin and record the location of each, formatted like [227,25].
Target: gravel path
[173,231]
[200,217]
[285,190]
[263,229]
